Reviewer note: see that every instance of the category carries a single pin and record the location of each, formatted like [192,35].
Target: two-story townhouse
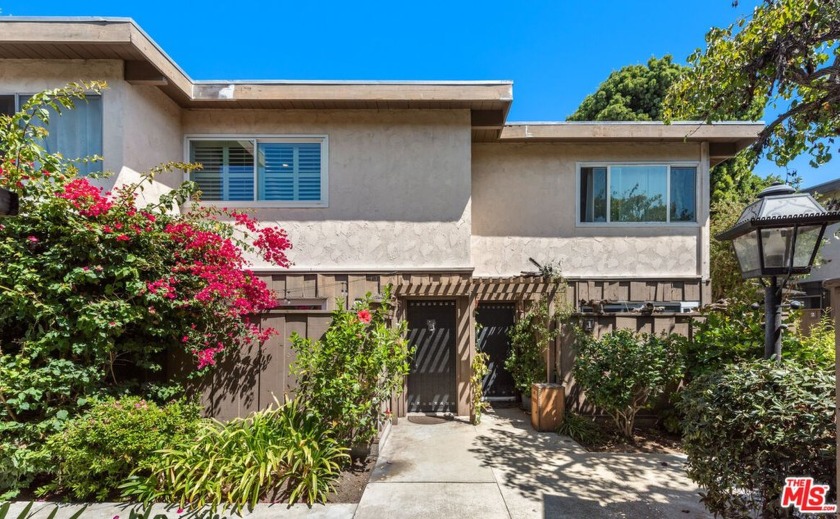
[423,185]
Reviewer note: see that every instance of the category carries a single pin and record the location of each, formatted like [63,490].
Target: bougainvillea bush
[96,287]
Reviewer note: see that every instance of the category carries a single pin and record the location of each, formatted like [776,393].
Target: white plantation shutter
[290,171]
[227,172]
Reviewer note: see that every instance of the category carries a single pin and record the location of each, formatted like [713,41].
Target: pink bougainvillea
[190,269]
[86,198]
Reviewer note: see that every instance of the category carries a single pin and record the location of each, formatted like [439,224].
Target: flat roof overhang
[725,139]
[147,64]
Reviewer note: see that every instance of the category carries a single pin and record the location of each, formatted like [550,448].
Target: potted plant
[530,337]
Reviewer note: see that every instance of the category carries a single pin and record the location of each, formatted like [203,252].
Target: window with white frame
[283,170]
[76,133]
[658,193]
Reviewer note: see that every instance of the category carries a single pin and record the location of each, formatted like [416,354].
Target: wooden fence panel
[251,378]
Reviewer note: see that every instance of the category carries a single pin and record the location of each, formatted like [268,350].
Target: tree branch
[768,131]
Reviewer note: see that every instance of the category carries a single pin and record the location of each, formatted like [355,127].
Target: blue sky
[556,52]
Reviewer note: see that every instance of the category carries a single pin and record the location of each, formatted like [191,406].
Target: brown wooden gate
[431,331]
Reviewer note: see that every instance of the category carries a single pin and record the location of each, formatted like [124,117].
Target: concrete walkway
[503,469]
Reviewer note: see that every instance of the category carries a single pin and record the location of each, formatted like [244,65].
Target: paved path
[503,469]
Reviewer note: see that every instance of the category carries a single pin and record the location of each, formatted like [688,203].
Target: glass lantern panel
[793,205]
[777,245]
[806,242]
[746,248]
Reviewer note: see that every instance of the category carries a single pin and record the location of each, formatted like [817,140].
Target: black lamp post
[8,203]
[778,236]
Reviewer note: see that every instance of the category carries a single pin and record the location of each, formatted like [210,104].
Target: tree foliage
[734,334]
[785,55]
[638,92]
[727,281]
[749,426]
[632,93]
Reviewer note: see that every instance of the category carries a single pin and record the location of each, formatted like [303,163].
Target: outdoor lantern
[778,235]
[8,203]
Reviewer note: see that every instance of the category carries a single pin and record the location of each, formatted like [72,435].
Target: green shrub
[236,463]
[97,451]
[735,334]
[580,428]
[620,372]
[529,337]
[725,336]
[344,378]
[749,426]
[815,348]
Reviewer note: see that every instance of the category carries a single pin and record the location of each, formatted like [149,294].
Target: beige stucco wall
[539,221]
[399,185]
[151,131]
[141,126]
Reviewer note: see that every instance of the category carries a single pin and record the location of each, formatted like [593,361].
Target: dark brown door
[431,331]
[495,319]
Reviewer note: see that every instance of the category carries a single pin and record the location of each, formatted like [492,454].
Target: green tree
[786,55]
[632,93]
[637,93]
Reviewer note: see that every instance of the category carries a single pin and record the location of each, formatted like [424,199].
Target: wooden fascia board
[87,32]
[683,132]
[175,77]
[349,92]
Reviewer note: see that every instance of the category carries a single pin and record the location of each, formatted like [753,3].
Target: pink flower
[87,199]
[179,511]
[123,237]
[364,316]
[33,239]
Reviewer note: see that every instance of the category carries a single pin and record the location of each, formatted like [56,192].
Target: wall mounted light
[430,325]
